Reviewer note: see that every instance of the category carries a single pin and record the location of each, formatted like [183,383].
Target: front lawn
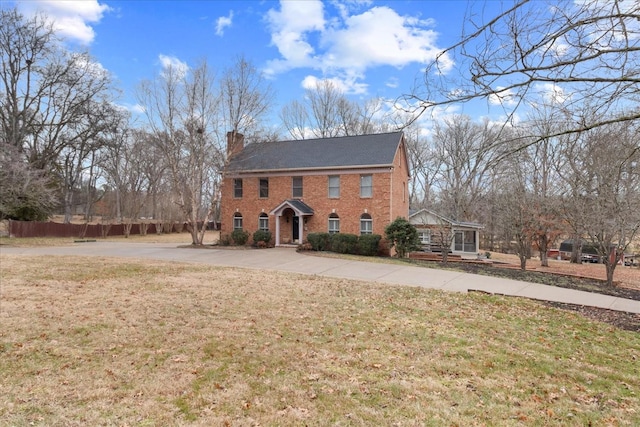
[124,342]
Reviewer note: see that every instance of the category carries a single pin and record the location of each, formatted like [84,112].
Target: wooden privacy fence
[56,229]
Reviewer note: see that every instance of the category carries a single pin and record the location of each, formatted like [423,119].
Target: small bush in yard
[344,243]
[262,236]
[368,244]
[403,236]
[319,241]
[240,237]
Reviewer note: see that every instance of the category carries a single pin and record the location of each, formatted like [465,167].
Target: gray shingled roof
[298,205]
[340,152]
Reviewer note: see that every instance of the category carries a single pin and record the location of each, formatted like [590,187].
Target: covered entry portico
[291,216]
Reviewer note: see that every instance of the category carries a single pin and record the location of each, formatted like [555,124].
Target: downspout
[391,197]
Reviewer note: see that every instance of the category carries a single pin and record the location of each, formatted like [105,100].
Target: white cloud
[289,31]
[504,97]
[551,93]
[85,63]
[348,45]
[71,19]
[223,22]
[346,86]
[392,82]
[378,37]
[174,64]
[133,108]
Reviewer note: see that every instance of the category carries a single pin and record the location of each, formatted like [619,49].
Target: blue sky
[368,48]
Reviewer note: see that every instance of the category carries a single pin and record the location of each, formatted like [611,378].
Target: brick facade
[389,199]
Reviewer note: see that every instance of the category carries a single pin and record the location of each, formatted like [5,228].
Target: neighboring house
[351,184]
[432,228]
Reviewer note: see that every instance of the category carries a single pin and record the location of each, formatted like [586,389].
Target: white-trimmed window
[237,188]
[237,221]
[334,186]
[366,186]
[334,223]
[425,236]
[366,224]
[263,222]
[264,188]
[296,187]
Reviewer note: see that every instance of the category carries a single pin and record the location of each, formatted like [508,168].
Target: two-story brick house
[352,184]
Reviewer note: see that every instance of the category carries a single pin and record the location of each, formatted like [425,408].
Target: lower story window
[425,237]
[334,224]
[237,221]
[263,222]
[366,224]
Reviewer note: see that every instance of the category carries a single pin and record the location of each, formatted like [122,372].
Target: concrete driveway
[286,259]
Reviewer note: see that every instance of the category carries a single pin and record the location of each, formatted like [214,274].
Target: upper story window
[237,221]
[264,188]
[296,186]
[366,224]
[334,223]
[263,222]
[366,186]
[237,188]
[334,186]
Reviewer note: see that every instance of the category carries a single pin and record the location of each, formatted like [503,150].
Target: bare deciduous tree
[52,101]
[181,108]
[582,53]
[246,97]
[604,198]
[466,152]
[126,163]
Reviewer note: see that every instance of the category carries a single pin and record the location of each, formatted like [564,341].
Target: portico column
[278,229]
[300,227]
[477,241]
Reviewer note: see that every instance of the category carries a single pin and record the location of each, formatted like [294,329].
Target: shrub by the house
[319,241]
[368,244]
[402,236]
[262,238]
[240,237]
[344,243]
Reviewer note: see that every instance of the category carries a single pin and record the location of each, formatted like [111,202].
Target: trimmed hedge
[262,236]
[368,244]
[319,241]
[344,243]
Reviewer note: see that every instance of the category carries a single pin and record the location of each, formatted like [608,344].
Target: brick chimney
[235,143]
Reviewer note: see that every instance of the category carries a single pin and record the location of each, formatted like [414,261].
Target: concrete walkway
[286,259]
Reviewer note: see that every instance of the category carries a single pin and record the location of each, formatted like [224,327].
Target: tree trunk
[543,246]
[523,261]
[127,228]
[576,252]
[610,270]
[68,201]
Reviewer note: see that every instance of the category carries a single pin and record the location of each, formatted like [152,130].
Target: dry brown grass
[117,342]
[211,237]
